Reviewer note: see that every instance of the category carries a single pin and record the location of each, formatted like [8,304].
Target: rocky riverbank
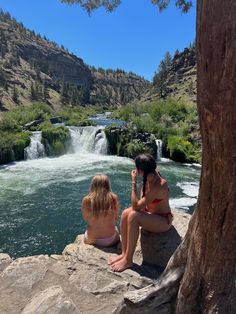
[79,280]
[126,141]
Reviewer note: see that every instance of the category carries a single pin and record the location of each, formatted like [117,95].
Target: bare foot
[121,265]
[113,259]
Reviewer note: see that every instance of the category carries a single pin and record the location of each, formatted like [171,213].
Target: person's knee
[125,213]
[133,216]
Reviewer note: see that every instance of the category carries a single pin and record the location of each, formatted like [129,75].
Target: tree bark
[206,261]
[208,283]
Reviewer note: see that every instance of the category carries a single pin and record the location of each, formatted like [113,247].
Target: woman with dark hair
[152,212]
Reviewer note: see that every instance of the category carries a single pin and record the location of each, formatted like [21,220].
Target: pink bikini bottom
[105,241]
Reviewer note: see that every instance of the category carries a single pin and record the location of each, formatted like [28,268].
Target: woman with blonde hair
[100,208]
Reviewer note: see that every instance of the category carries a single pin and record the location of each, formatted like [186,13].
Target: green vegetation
[13,138]
[55,140]
[12,145]
[19,116]
[78,116]
[134,149]
[174,123]
[126,142]
[160,77]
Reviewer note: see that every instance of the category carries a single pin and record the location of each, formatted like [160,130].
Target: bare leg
[126,260]
[123,231]
[152,223]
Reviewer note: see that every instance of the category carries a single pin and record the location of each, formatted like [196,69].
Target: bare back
[159,195]
[101,225]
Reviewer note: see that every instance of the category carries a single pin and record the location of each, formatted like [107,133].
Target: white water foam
[189,188]
[31,175]
[88,139]
[101,143]
[182,202]
[35,149]
[165,160]
[159,149]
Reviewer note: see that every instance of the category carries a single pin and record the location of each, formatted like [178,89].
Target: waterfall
[88,139]
[101,143]
[159,149]
[35,149]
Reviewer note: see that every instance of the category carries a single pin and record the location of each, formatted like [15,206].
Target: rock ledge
[79,280]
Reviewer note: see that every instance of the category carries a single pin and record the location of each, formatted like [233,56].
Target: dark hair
[147,164]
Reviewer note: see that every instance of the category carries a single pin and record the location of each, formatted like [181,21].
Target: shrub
[58,148]
[22,140]
[134,149]
[181,149]
[19,116]
[12,146]
[8,123]
[55,137]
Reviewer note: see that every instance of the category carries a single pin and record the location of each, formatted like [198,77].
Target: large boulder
[157,248]
[79,280]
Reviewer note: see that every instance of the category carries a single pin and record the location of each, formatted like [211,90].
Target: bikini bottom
[109,241]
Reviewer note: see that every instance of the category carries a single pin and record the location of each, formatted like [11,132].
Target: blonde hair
[100,195]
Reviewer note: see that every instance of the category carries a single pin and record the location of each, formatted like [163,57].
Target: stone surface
[5,260]
[52,301]
[157,248]
[78,281]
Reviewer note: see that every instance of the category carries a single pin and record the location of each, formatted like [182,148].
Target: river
[40,199]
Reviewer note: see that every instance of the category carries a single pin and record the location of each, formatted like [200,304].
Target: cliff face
[33,68]
[178,79]
[117,87]
[182,76]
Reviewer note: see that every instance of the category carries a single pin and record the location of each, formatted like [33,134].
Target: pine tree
[33,95]
[160,77]
[45,92]
[63,91]
[15,95]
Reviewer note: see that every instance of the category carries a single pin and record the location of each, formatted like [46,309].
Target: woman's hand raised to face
[134,175]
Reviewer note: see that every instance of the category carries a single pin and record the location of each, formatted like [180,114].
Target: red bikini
[165,215]
[156,201]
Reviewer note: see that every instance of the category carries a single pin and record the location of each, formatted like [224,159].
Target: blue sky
[134,37]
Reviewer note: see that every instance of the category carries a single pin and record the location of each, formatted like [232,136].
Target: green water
[40,199]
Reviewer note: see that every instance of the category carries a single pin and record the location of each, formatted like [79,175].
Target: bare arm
[117,206]
[144,201]
[84,207]
[141,204]
[134,196]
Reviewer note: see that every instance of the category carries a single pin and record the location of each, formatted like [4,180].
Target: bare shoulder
[164,186]
[164,183]
[116,200]
[86,200]
[115,197]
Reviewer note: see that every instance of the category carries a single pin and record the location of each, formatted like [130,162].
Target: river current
[40,199]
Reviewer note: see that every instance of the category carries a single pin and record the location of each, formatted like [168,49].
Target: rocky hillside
[176,77]
[182,76]
[32,68]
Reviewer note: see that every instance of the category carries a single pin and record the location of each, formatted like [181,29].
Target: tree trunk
[204,266]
